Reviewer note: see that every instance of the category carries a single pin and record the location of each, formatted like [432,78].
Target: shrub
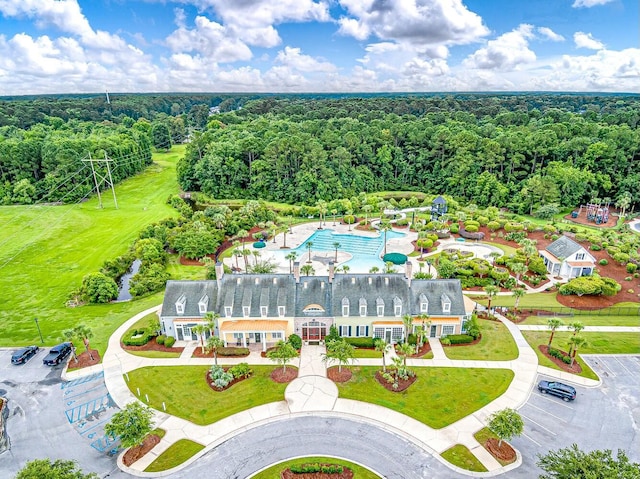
[621,258]
[137,337]
[169,342]
[537,266]
[295,341]
[160,339]
[445,341]
[472,328]
[590,285]
[632,268]
[360,342]
[412,339]
[314,468]
[233,351]
[240,370]
[566,359]
[98,288]
[454,228]
[402,222]
[459,338]
[516,236]
[220,377]
[603,262]
[471,228]
[595,247]
[493,225]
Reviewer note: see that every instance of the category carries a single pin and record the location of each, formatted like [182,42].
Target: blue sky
[82,46]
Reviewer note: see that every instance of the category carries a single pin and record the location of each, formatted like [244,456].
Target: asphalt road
[48,418]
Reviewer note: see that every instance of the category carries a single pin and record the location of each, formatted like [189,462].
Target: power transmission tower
[106,179]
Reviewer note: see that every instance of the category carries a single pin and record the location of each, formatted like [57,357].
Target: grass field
[462,457]
[588,320]
[175,455]
[496,344]
[428,400]
[273,472]
[186,393]
[367,353]
[46,250]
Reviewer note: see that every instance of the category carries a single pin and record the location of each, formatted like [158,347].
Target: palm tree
[70,335]
[213,344]
[237,253]
[322,209]
[407,323]
[256,255]
[374,270]
[243,234]
[422,330]
[519,269]
[553,324]
[529,249]
[383,347]
[200,330]
[385,226]
[212,319]
[307,270]
[339,350]
[576,342]
[349,217]
[345,268]
[367,209]
[518,293]
[334,212]
[84,333]
[282,354]
[309,246]
[491,292]
[336,245]
[291,257]
[576,326]
[246,253]
[405,350]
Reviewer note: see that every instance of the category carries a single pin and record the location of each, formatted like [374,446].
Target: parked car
[57,354]
[564,391]
[23,355]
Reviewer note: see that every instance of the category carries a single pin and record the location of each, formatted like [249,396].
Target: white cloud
[586,40]
[550,34]
[415,22]
[506,52]
[589,3]
[425,68]
[293,58]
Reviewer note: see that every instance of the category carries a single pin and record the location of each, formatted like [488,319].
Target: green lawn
[155,354]
[48,249]
[429,399]
[597,343]
[179,271]
[273,472]
[589,320]
[175,455]
[529,300]
[462,457]
[367,353]
[485,433]
[506,249]
[496,344]
[186,393]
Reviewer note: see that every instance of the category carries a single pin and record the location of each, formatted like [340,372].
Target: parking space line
[82,380]
[539,425]
[548,413]
[532,440]
[623,366]
[77,413]
[547,398]
[602,362]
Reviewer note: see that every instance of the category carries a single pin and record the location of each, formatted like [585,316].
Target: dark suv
[57,354]
[23,355]
[564,391]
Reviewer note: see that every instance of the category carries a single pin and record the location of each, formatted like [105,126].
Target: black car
[57,354]
[23,355]
[564,391]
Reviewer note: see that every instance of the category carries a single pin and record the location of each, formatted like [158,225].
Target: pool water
[364,249]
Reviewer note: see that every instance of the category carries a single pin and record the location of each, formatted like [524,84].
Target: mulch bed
[504,453]
[346,474]
[215,388]
[575,369]
[402,383]
[84,361]
[152,346]
[339,376]
[195,262]
[197,353]
[135,453]
[582,219]
[280,376]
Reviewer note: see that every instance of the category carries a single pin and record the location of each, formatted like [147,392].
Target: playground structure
[438,208]
[597,213]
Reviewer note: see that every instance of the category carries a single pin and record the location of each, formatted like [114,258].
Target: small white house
[567,259]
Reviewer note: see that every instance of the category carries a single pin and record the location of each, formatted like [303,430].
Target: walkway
[312,392]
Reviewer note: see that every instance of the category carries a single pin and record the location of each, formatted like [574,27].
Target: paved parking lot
[607,417]
[51,418]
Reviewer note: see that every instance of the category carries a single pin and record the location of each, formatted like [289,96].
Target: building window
[363,310]
[397,307]
[281,311]
[378,333]
[448,329]
[396,334]
[345,331]
[237,335]
[227,311]
[446,307]
[180,304]
[424,304]
[263,311]
[345,307]
[579,256]
[362,331]
[245,311]
[277,335]
[380,307]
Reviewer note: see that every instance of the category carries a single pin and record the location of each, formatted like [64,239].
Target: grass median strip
[274,471]
[438,398]
[175,455]
[186,393]
[496,344]
[462,457]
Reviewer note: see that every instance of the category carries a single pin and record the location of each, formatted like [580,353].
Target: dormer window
[446,303]
[281,311]
[202,304]
[380,307]
[263,311]
[345,307]
[363,306]
[397,307]
[245,311]
[181,304]
[424,304]
[228,311]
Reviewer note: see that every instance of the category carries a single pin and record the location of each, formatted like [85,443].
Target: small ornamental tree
[383,347]
[99,288]
[201,330]
[506,424]
[282,354]
[48,469]
[131,425]
[340,351]
[571,462]
[213,344]
[553,324]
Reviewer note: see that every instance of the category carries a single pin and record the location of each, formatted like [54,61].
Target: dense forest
[520,152]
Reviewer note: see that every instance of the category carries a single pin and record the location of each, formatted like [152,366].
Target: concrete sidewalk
[587,329]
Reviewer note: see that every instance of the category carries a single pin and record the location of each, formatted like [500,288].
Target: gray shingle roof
[193,291]
[563,247]
[254,290]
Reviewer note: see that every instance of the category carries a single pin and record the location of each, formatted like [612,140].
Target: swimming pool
[365,250]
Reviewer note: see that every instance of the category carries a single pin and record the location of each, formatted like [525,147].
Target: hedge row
[360,342]
[233,351]
[556,353]
[459,338]
[315,468]
[144,334]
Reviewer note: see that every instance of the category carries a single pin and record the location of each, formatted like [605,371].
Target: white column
[244,340]
[264,341]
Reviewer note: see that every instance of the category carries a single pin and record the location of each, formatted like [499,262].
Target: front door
[258,337]
[387,335]
[433,332]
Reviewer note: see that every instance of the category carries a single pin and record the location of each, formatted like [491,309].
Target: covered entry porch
[244,333]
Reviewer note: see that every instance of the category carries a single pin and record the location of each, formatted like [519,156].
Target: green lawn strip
[154,354]
[159,432]
[496,344]
[506,249]
[143,322]
[462,457]
[367,353]
[186,393]
[274,471]
[428,400]
[51,248]
[180,271]
[597,343]
[175,455]
[529,300]
[429,355]
[485,433]
[588,320]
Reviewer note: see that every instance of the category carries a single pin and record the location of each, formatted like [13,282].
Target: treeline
[44,163]
[512,151]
